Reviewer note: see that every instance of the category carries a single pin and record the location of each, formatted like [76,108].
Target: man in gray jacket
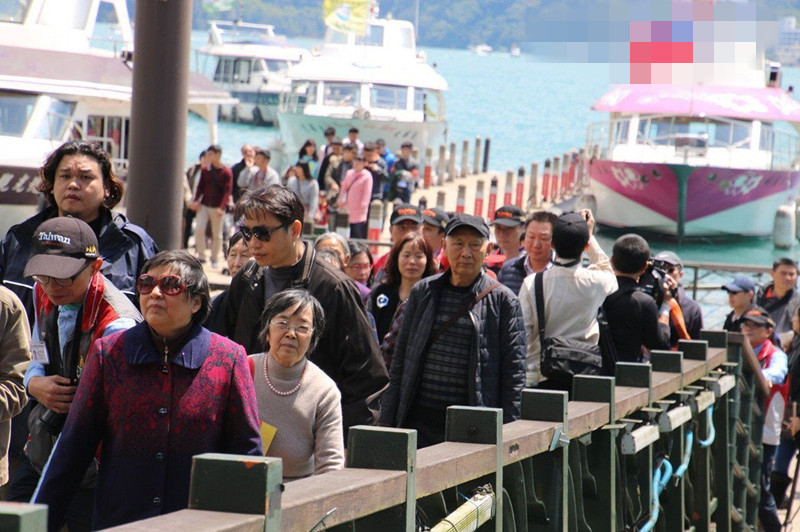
[461,342]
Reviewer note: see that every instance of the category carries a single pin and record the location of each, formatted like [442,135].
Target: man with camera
[636,322]
[686,318]
[74,305]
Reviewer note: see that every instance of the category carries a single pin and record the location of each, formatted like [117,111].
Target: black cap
[406,211]
[435,216]
[669,257]
[407,144]
[570,232]
[468,220]
[509,215]
[60,248]
[758,316]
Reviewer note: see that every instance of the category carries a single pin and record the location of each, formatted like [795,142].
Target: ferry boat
[55,86]
[250,61]
[377,83]
[481,49]
[515,50]
[695,160]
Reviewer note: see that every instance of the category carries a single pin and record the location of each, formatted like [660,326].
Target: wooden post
[476,162]
[534,201]
[464,158]
[257,480]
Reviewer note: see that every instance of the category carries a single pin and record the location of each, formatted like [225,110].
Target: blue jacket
[497,363]
[124,248]
[512,274]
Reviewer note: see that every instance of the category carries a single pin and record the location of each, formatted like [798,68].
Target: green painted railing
[583,464]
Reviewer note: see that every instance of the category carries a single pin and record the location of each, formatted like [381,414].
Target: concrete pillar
[508,190]
[461,198]
[520,192]
[478,211]
[451,163]
[554,181]
[464,158]
[428,169]
[492,199]
[476,163]
[533,192]
[158,128]
[440,199]
[441,165]
[486,146]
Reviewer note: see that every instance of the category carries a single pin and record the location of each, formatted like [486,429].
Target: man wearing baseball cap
[689,309]
[741,292]
[434,223]
[509,226]
[439,358]
[74,306]
[758,327]
[406,218]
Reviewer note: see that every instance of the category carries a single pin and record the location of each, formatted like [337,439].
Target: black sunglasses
[170,285]
[261,232]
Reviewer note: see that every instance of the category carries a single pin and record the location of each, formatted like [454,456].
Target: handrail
[751,361]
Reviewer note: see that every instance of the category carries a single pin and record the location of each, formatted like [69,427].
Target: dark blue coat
[497,363]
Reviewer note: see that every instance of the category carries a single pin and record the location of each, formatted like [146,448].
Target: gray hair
[285,300]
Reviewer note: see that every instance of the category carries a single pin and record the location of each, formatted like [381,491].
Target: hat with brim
[60,248]
[759,316]
[509,216]
[467,220]
[436,217]
[406,211]
[740,284]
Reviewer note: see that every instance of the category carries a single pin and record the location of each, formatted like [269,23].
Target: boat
[481,49]
[250,61]
[56,85]
[701,160]
[515,50]
[376,82]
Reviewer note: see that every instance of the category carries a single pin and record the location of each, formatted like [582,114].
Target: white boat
[515,50]
[481,49]
[56,86]
[700,160]
[377,83]
[250,61]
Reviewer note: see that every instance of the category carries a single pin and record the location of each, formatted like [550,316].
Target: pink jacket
[356,192]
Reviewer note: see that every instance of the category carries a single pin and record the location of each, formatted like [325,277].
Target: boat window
[311,93]
[65,13]
[13,10]
[767,138]
[224,70]
[275,65]
[15,110]
[427,101]
[59,117]
[241,72]
[660,130]
[373,37]
[335,37]
[344,94]
[622,131]
[388,97]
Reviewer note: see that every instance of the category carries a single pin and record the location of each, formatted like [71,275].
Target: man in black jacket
[348,349]
[635,321]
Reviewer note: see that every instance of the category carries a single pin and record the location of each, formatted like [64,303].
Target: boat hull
[296,128]
[259,108]
[685,201]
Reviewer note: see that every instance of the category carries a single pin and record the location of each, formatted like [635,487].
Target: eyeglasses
[170,285]
[359,266]
[283,327]
[45,280]
[261,232]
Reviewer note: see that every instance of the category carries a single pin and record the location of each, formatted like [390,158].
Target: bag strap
[463,310]
[538,292]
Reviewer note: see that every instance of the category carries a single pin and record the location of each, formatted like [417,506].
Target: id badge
[39,353]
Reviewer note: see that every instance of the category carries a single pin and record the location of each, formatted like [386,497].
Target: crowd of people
[118,366]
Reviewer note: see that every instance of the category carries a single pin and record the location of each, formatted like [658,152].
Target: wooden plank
[448,464]
[523,438]
[354,492]
[194,520]
[585,417]
[665,384]
[716,357]
[693,370]
[629,399]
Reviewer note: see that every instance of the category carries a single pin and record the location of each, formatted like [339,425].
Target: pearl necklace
[275,390]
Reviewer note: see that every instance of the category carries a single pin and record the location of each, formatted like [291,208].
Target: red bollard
[508,188]
[375,224]
[554,180]
[461,198]
[565,164]
[478,211]
[492,199]
[520,187]
[428,170]
[546,180]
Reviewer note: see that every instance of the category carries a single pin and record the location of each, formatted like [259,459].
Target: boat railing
[238,32]
[779,149]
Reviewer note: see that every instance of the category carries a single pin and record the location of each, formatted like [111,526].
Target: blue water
[530,110]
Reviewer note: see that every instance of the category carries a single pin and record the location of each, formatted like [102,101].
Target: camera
[53,422]
[652,281]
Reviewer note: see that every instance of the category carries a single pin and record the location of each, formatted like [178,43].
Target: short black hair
[785,261]
[353,130]
[278,200]
[215,148]
[541,217]
[190,270]
[630,254]
[329,131]
[286,299]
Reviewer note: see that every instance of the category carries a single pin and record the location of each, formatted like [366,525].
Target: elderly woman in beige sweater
[299,406]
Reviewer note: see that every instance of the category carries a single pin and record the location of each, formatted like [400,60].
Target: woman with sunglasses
[299,406]
[154,396]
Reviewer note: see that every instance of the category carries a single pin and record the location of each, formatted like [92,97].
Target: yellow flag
[346,15]
[267,435]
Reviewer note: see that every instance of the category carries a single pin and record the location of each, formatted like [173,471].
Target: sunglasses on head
[170,285]
[261,232]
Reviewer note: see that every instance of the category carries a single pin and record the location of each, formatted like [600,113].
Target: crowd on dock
[117,366]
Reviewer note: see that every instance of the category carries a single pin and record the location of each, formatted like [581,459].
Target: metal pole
[158,128]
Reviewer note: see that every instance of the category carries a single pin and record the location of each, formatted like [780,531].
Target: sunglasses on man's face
[170,285]
[261,232]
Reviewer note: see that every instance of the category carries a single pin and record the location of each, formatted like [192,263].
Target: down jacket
[497,363]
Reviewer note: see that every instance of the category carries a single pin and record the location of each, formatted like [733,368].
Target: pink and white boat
[694,160]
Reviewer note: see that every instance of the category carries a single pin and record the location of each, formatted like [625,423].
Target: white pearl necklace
[275,390]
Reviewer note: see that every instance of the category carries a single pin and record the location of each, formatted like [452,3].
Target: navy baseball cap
[741,283]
